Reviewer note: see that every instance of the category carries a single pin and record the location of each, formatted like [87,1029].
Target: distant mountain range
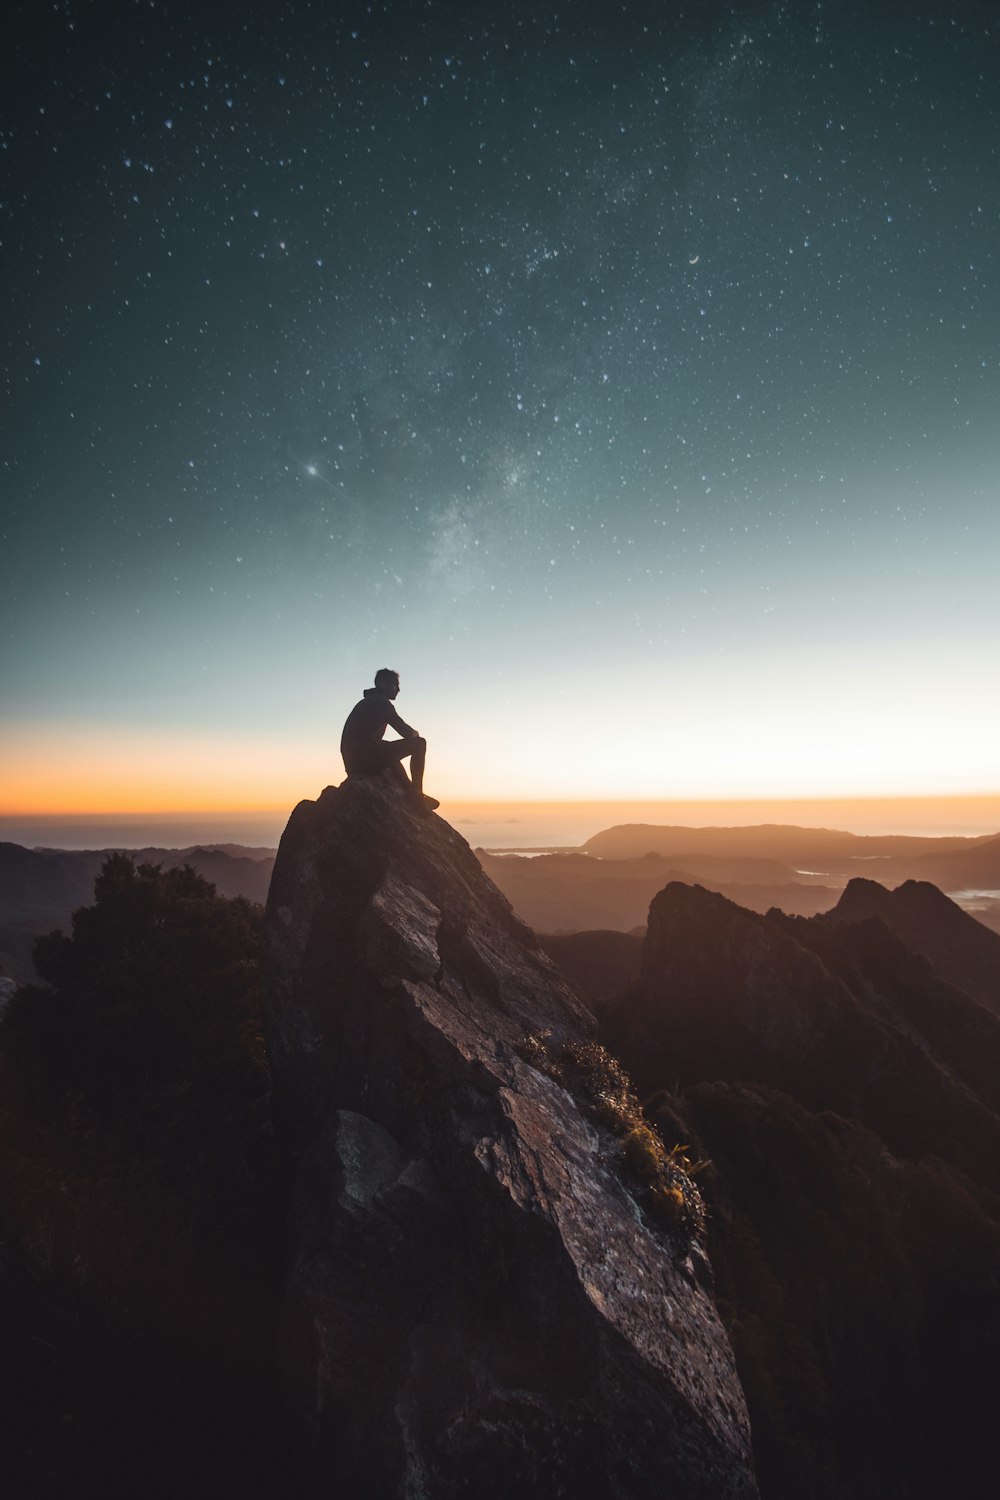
[571,892]
[611,880]
[813,853]
[607,883]
[811,849]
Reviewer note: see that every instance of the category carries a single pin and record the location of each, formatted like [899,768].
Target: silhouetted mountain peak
[863,898]
[961,950]
[488,1308]
[732,979]
[843,1014]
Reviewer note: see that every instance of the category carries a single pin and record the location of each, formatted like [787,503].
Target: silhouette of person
[366,752]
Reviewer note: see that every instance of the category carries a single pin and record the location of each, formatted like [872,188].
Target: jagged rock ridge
[841,1016]
[846,1090]
[961,950]
[476,1302]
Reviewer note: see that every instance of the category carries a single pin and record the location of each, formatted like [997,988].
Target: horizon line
[272,810]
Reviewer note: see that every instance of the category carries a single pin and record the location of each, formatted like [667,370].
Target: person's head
[387,681]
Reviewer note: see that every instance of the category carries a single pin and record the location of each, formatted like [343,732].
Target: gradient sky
[628,380]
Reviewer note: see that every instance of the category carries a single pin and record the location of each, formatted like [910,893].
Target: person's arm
[400,726]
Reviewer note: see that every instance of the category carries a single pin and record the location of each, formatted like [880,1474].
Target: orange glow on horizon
[152,792]
[958,814]
[94,770]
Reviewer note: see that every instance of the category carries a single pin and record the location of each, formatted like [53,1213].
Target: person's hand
[414,734]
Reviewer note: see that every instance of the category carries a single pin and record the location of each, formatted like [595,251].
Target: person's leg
[393,752]
[418,758]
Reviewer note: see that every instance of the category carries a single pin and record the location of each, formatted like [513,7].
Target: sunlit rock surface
[475,1302]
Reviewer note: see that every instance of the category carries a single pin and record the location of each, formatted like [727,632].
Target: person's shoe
[422,803]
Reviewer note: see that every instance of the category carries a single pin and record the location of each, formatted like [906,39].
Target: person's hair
[384,676]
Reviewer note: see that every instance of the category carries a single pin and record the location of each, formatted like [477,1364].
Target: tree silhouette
[137,1180]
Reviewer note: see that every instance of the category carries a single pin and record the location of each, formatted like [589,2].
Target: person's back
[366,724]
[363,748]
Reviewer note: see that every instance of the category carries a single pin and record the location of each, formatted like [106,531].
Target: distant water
[264,831]
[496,827]
[138,832]
[526,833]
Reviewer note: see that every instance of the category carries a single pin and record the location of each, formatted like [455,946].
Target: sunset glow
[740,726]
[649,437]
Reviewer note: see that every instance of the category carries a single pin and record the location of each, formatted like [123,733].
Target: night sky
[627,378]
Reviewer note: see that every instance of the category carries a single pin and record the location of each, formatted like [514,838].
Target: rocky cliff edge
[477,1302]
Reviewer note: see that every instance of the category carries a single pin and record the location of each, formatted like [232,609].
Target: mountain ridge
[959,948]
[846,1092]
[404,1000]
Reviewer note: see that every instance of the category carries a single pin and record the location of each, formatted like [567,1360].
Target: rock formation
[961,950]
[846,1092]
[841,1017]
[476,1301]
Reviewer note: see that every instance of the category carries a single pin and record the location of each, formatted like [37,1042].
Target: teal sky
[629,384]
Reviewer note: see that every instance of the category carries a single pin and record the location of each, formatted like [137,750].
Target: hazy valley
[607,883]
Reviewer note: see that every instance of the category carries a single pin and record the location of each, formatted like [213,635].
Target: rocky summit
[477,1301]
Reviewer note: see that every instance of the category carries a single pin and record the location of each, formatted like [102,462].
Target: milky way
[509,342]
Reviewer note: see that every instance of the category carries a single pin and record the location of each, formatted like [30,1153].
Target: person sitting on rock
[366,752]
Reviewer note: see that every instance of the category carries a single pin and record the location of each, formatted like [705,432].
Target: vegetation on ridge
[662,1177]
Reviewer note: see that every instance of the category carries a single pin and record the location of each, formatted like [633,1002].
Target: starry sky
[627,376]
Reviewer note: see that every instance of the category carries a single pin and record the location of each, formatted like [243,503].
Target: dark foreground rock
[476,1302]
[846,1092]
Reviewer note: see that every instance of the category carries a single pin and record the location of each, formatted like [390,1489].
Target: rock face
[476,1304]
